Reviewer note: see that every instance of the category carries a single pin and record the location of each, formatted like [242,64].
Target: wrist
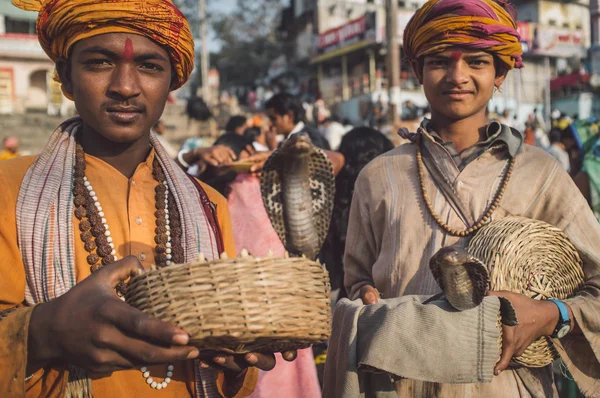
[552,318]
[185,159]
[40,349]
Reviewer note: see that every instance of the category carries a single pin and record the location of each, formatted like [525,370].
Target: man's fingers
[256,168]
[139,353]
[121,270]
[508,349]
[230,154]
[227,362]
[143,326]
[212,161]
[223,155]
[369,295]
[261,361]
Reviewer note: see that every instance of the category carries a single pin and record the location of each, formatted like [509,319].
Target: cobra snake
[465,281]
[298,188]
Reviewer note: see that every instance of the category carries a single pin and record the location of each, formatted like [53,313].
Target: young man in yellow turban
[459,172]
[102,201]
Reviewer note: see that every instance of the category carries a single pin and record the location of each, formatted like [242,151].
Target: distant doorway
[37,92]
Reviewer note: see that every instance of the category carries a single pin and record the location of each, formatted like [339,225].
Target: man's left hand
[537,318]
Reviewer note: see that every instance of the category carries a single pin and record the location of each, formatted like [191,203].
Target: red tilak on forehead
[128,50]
[456,55]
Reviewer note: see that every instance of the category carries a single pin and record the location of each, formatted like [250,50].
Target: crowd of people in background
[232,163]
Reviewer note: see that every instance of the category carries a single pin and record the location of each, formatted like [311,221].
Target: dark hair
[216,178]
[234,123]
[555,135]
[197,109]
[284,103]
[251,133]
[359,146]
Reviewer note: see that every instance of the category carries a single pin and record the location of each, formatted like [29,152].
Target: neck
[290,129]
[463,133]
[123,156]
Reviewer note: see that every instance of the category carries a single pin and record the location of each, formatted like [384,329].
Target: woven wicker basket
[533,258]
[240,305]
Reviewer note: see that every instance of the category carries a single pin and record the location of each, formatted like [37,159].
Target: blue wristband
[564,322]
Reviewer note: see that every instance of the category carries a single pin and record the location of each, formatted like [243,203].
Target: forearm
[39,351]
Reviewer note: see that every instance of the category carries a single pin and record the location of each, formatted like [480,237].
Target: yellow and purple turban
[486,25]
[62,23]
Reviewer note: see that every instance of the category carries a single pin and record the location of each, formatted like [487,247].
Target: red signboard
[342,33]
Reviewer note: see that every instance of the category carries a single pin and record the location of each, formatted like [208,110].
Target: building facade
[26,72]
[348,61]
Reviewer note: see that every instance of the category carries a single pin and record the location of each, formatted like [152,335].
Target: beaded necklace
[97,240]
[483,220]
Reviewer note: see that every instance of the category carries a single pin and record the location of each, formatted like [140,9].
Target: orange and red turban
[486,25]
[62,23]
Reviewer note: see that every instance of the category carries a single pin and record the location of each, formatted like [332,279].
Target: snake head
[297,144]
[461,276]
[450,256]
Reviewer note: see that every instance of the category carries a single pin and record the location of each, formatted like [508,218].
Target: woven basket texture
[240,305]
[533,258]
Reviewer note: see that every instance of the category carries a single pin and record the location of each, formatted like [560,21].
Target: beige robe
[391,237]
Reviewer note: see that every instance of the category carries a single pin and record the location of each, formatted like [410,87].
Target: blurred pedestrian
[333,131]
[558,150]
[10,148]
[253,231]
[287,115]
[236,124]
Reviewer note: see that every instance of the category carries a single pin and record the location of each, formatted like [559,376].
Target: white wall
[22,71]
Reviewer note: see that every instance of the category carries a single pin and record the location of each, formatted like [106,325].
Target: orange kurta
[128,204]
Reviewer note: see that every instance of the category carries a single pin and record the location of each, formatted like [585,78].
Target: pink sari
[252,231]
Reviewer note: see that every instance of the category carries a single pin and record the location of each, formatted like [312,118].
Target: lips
[457,94]
[124,114]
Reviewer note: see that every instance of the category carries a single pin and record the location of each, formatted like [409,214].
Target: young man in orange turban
[102,201]
[459,172]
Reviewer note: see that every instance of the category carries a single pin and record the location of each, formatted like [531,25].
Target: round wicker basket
[533,258]
[240,305]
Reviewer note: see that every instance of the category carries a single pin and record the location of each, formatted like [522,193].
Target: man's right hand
[89,326]
[369,295]
[215,155]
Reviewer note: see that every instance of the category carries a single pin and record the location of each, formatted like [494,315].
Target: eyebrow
[465,55]
[147,56]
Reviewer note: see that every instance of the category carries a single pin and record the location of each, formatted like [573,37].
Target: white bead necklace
[149,380]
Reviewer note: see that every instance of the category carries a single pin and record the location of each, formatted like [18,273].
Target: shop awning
[341,51]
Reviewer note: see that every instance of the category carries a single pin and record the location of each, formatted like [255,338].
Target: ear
[500,79]
[63,68]
[290,115]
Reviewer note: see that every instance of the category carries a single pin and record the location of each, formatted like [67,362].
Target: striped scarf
[46,232]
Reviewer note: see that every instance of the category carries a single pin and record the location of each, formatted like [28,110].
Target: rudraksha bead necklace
[98,242]
[483,220]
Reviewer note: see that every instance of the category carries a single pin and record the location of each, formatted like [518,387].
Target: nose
[124,83]
[458,73]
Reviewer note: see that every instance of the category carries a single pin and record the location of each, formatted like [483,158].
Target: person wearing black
[288,116]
